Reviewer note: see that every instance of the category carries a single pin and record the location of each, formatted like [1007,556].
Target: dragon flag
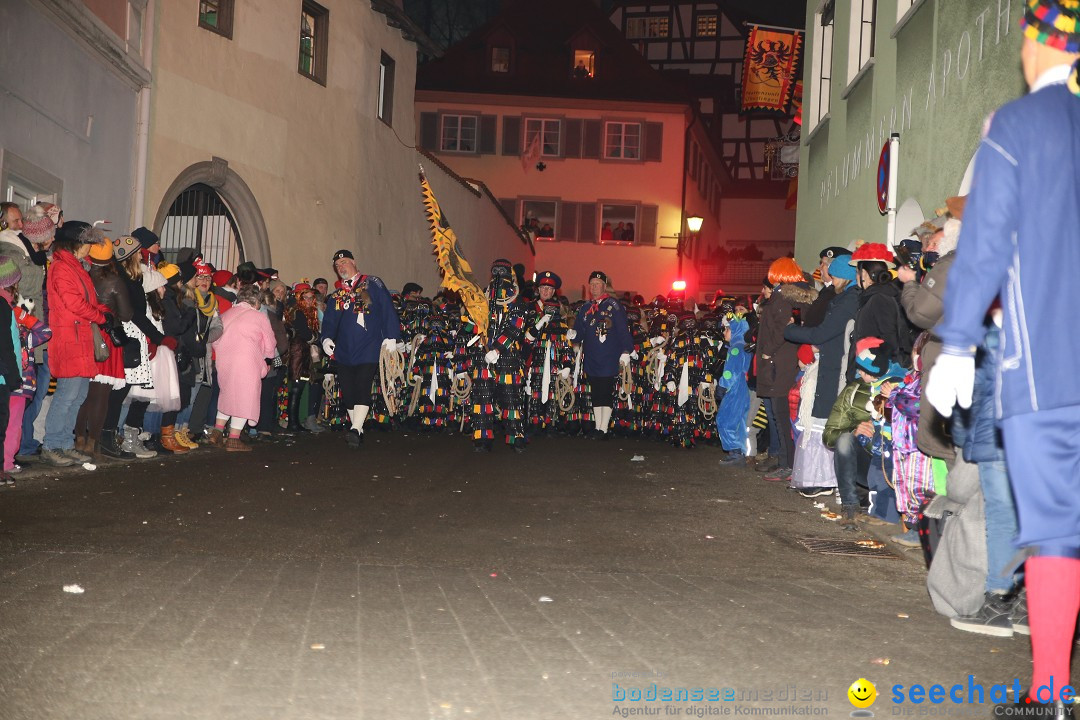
[455,269]
[770,69]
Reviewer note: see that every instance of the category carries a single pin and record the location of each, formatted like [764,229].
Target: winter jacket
[604,318]
[140,312]
[74,309]
[815,314]
[1019,241]
[358,318]
[982,438]
[33,275]
[10,349]
[179,323]
[848,412]
[831,337]
[880,315]
[778,359]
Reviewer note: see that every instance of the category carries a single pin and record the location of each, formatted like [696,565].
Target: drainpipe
[682,201]
[142,133]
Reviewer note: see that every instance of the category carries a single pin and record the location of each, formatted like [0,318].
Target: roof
[542,37]
[396,18]
[784,13]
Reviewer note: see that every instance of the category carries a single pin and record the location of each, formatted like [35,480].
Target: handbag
[101,348]
[132,354]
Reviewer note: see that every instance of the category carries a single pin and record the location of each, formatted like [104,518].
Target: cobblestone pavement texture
[416,579]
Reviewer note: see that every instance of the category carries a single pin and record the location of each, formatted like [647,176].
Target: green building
[930,71]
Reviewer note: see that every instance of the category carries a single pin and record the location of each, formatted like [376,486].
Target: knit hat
[80,232]
[222,278]
[274,284]
[1054,23]
[9,272]
[102,253]
[124,247]
[872,252]
[39,230]
[147,238]
[874,357]
[152,280]
[806,354]
[550,279]
[841,268]
[168,270]
[187,271]
[202,268]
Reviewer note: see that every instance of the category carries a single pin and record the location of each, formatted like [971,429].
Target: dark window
[622,141]
[386,89]
[500,59]
[458,133]
[648,26]
[217,16]
[314,28]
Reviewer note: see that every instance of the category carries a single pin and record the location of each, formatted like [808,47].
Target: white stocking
[358,416]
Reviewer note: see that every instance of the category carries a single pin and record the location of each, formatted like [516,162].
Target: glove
[108,322]
[492,357]
[170,342]
[658,341]
[564,373]
[543,321]
[117,335]
[389,344]
[704,385]
[624,359]
[952,380]
[571,334]
[634,355]
[448,355]
[400,346]
[670,386]
[328,346]
[529,336]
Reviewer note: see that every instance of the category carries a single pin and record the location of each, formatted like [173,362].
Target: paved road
[415,579]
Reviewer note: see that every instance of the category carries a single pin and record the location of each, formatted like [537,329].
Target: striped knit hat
[1054,23]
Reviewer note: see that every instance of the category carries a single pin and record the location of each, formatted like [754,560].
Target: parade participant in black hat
[813,315]
[601,328]
[359,321]
[549,356]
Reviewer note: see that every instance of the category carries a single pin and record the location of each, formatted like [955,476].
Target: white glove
[419,339]
[328,383]
[634,355]
[658,341]
[571,334]
[704,385]
[529,336]
[400,346]
[670,386]
[328,346]
[492,357]
[564,373]
[542,321]
[461,376]
[624,359]
[389,344]
[448,355]
[952,380]
[314,353]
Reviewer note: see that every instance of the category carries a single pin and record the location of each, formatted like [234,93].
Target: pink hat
[39,230]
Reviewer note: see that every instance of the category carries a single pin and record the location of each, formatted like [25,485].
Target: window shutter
[647,228]
[511,141]
[572,140]
[488,124]
[568,221]
[587,222]
[592,137]
[429,131]
[510,206]
[654,141]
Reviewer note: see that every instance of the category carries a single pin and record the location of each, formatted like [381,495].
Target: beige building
[282,131]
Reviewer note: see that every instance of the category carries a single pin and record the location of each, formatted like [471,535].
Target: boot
[184,439]
[215,438]
[132,444]
[169,442]
[81,444]
[295,393]
[110,447]
[312,424]
[235,444]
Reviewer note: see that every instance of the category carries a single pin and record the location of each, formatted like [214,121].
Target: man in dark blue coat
[359,321]
[604,333]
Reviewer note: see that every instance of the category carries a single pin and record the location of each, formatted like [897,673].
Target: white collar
[1054,76]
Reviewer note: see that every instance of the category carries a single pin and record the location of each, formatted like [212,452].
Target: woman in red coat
[73,307]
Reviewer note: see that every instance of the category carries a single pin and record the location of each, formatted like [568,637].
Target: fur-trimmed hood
[798,293]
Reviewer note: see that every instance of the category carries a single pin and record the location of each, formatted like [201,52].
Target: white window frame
[600,221]
[861,36]
[547,127]
[905,9]
[619,126]
[822,70]
[458,134]
[554,221]
[387,70]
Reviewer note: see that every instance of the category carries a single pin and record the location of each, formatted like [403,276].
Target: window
[584,63]
[386,89]
[548,132]
[649,26]
[314,25]
[539,216]
[500,59]
[705,25]
[861,40]
[821,79]
[458,133]
[216,16]
[618,223]
[622,140]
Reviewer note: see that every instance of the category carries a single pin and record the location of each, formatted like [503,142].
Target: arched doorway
[198,218]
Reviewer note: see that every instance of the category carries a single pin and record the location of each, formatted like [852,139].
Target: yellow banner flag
[770,68]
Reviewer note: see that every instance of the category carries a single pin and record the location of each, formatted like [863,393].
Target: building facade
[930,71]
[75,85]
[283,131]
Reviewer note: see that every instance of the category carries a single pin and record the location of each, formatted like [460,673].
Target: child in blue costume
[735,399]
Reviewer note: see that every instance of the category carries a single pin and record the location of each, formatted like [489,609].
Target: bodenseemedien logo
[862,694]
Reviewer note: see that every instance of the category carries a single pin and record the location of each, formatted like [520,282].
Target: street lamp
[693,224]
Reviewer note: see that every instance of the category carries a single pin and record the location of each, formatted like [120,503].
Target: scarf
[207,305]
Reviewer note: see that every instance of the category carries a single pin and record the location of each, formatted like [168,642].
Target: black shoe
[813,492]
[993,618]
[519,447]
[355,439]
[110,447]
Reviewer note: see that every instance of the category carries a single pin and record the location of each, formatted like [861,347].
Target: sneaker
[133,444]
[813,492]
[77,456]
[733,458]
[990,619]
[1019,616]
[16,468]
[908,539]
[56,458]
[6,480]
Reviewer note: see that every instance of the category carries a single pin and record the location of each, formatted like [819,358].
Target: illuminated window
[458,133]
[618,223]
[538,216]
[705,25]
[500,59]
[622,141]
[584,63]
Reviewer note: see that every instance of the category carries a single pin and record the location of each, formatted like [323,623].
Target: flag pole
[773,27]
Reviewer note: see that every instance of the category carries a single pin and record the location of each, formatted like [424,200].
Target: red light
[678,285]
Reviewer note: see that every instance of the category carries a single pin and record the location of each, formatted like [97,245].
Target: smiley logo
[862,693]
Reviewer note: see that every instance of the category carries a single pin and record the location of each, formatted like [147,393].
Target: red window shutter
[511,140]
[587,222]
[654,141]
